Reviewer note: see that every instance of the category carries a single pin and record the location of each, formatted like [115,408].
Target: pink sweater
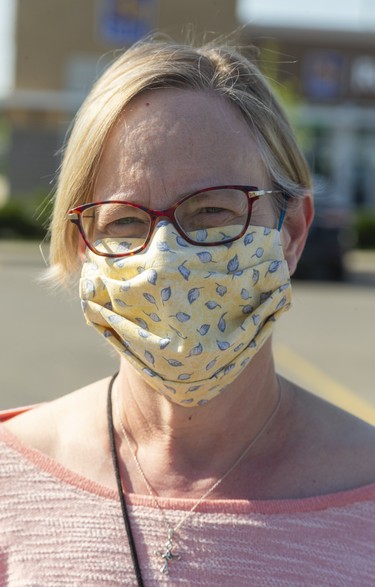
[58,529]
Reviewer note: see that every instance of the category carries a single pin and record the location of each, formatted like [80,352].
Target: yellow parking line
[323,385]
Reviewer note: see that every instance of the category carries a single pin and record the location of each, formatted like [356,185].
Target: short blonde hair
[156,64]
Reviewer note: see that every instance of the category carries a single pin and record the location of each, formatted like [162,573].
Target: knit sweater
[60,529]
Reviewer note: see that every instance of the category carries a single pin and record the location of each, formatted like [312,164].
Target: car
[331,235]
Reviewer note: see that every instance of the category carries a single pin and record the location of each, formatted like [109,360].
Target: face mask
[189,318]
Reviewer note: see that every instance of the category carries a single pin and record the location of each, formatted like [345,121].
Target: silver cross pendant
[168,555]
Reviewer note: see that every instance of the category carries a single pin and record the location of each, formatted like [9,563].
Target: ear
[81,249]
[296,228]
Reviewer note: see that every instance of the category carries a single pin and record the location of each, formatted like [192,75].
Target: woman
[184,201]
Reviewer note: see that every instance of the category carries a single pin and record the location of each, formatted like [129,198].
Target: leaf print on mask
[245,294]
[87,289]
[258,253]
[283,287]
[149,357]
[273,267]
[108,306]
[223,345]
[179,334]
[173,362]
[121,303]
[180,241]
[123,247]
[201,235]
[193,294]
[143,333]
[184,377]
[165,294]
[120,263]
[211,305]
[238,347]
[205,257]
[233,264]
[154,317]
[229,368]
[221,290]
[203,329]
[142,323]
[281,303]
[150,298]
[222,324]
[211,364]
[265,295]
[181,316]
[193,388]
[164,342]
[256,319]
[249,238]
[152,276]
[185,272]
[164,247]
[267,231]
[196,350]
[149,372]
[125,286]
[247,309]
[255,276]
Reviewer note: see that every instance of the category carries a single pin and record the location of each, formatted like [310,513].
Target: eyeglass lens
[212,217]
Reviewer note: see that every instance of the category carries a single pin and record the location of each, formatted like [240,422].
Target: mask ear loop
[283,212]
[44,243]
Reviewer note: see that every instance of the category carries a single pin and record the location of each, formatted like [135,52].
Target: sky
[351,14]
[6,45]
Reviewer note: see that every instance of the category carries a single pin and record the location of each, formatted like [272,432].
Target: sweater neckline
[66,477]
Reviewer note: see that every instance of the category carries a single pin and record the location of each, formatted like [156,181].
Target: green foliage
[25,218]
[365,225]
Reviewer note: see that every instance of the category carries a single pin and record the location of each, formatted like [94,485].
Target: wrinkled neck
[222,426]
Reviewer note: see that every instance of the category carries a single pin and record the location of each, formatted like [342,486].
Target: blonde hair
[162,64]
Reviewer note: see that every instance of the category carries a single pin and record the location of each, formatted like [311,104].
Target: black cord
[125,515]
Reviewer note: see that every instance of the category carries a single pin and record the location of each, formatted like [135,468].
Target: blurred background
[319,58]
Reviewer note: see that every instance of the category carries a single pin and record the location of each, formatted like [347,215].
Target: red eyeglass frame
[252,193]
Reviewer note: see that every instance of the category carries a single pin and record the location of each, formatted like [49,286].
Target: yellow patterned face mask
[188,318]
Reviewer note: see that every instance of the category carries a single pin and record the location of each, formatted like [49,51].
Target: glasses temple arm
[283,212]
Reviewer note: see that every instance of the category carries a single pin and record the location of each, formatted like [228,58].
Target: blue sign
[123,22]
[323,75]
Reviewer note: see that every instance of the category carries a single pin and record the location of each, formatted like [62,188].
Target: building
[61,48]
[327,80]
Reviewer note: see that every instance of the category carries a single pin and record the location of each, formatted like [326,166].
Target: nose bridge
[162,218]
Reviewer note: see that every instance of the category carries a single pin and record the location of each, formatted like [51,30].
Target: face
[169,143]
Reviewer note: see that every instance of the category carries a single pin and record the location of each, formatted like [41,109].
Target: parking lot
[326,342]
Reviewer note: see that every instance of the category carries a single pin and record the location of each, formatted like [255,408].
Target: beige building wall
[60,50]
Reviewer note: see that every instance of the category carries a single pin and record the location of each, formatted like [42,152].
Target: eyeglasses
[209,217]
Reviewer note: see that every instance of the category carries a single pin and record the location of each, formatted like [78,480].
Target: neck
[190,443]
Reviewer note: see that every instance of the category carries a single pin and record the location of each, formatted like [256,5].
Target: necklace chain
[167,554]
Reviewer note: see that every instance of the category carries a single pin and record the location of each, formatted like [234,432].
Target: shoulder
[337,448]
[46,427]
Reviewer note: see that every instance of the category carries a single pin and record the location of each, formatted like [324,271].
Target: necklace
[168,553]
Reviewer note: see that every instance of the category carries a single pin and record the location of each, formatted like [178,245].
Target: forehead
[176,141]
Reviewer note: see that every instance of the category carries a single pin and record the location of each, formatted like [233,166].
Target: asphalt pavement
[326,342]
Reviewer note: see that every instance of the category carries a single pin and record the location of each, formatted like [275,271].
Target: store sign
[362,75]
[123,22]
[323,75]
